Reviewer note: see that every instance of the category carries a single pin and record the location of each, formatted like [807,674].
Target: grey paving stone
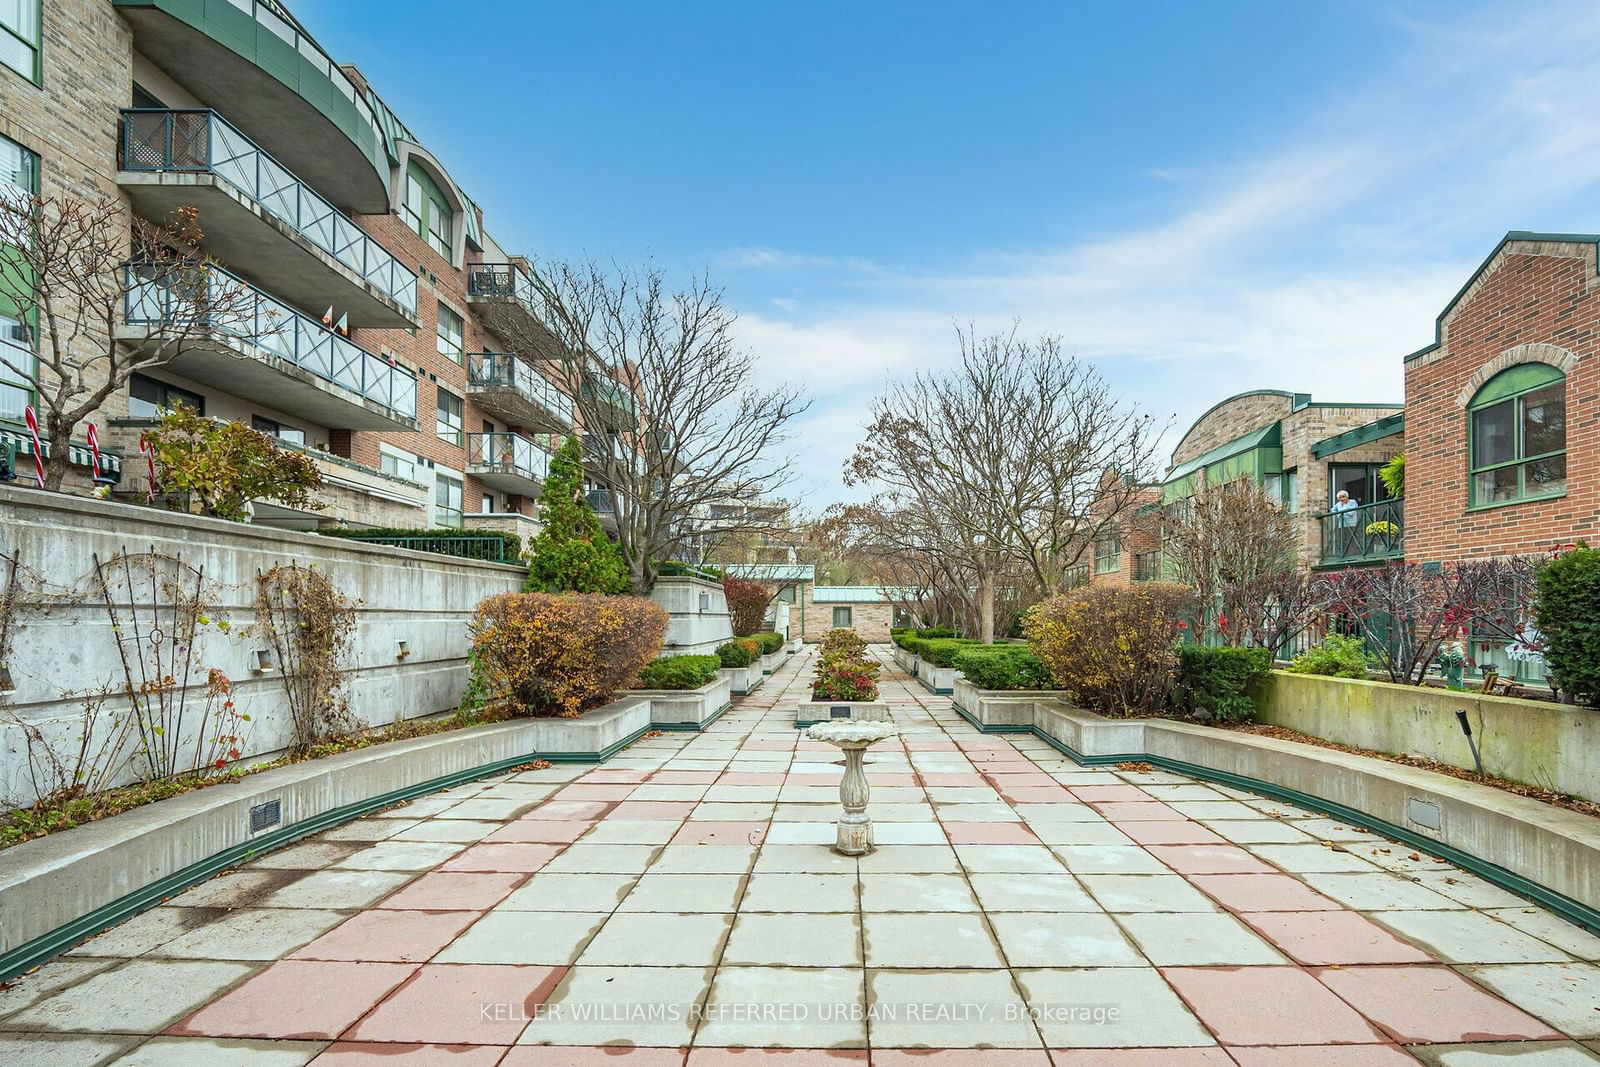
[684,893]
[147,930]
[948,1010]
[1565,995]
[61,1050]
[774,892]
[651,1007]
[1181,939]
[781,1007]
[252,934]
[1468,937]
[1109,1007]
[1049,939]
[544,938]
[569,892]
[915,892]
[189,1051]
[142,996]
[652,939]
[337,890]
[794,939]
[932,939]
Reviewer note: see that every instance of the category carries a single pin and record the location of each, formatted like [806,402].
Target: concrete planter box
[60,889]
[1090,736]
[936,679]
[1555,746]
[697,615]
[905,660]
[1001,710]
[828,710]
[687,709]
[772,661]
[743,680]
[795,644]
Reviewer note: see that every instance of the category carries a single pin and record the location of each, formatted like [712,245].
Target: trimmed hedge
[510,551]
[734,654]
[1218,681]
[942,651]
[679,672]
[1569,621]
[1003,667]
[771,641]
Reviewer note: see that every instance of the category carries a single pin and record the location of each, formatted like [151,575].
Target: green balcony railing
[1363,534]
[202,141]
[503,370]
[507,453]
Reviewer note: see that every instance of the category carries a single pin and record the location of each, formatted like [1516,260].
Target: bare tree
[1408,611]
[672,424]
[997,465]
[71,270]
[1235,547]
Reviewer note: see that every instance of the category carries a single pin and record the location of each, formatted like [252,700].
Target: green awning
[1254,455]
[1372,431]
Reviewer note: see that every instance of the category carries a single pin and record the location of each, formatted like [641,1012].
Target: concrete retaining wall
[410,641]
[743,680]
[687,707]
[934,678]
[698,619]
[1001,708]
[1553,746]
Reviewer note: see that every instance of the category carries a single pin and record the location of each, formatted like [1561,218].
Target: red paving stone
[590,1056]
[523,858]
[1325,1056]
[589,810]
[556,832]
[653,810]
[952,779]
[1101,794]
[613,776]
[1433,1004]
[684,777]
[394,936]
[1171,833]
[1268,1006]
[1036,794]
[461,1003]
[452,891]
[989,833]
[706,832]
[1208,859]
[1324,937]
[594,792]
[1140,1057]
[960,1057]
[774,1057]
[1262,892]
[1022,781]
[385,1054]
[1120,811]
[751,778]
[304,999]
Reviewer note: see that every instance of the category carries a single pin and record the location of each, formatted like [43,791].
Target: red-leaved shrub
[747,603]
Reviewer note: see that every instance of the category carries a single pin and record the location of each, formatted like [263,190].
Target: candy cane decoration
[150,461]
[38,450]
[94,450]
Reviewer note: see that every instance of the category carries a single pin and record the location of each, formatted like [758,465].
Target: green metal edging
[1572,910]
[47,946]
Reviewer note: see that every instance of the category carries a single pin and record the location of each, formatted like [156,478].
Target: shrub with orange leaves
[1112,647]
[562,654]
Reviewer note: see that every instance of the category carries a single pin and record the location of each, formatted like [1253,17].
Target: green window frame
[1108,553]
[19,171]
[447,501]
[427,211]
[450,422]
[21,31]
[148,397]
[450,328]
[843,618]
[1517,437]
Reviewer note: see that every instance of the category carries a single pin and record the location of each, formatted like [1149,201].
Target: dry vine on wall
[309,624]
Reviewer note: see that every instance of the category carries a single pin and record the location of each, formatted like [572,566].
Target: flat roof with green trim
[1375,430]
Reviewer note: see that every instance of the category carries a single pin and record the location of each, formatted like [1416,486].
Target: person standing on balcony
[1345,510]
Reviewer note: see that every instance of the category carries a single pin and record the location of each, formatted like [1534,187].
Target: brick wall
[1533,302]
[1231,418]
[870,620]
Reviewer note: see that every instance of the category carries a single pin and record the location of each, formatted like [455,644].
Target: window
[19,37]
[1291,490]
[1108,554]
[1360,480]
[486,505]
[446,501]
[397,464]
[842,618]
[1517,436]
[449,330]
[19,171]
[426,210]
[148,398]
[450,422]
[277,429]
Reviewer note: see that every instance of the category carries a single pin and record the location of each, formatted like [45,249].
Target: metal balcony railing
[1368,532]
[603,501]
[273,327]
[502,370]
[202,141]
[507,453]
[500,281]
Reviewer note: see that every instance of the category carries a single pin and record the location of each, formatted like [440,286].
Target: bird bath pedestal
[853,737]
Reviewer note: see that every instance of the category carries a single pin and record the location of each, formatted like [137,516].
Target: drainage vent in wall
[1423,813]
[265,816]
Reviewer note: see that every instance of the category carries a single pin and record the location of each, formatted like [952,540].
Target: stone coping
[60,889]
[1548,854]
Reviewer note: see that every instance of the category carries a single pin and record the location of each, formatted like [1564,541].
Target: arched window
[1517,438]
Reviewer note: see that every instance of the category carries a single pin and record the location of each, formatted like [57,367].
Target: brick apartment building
[314,194]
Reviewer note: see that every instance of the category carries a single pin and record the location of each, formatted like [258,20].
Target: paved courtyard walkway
[681,902]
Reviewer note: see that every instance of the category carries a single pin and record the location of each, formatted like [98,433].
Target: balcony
[263,350]
[604,503]
[508,462]
[509,387]
[506,302]
[1363,534]
[613,404]
[258,217]
[251,60]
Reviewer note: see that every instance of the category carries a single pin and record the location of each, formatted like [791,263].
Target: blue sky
[1199,197]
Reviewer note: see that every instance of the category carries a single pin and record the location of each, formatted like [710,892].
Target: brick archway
[1554,355]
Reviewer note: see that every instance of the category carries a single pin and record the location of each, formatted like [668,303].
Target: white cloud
[1316,268]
